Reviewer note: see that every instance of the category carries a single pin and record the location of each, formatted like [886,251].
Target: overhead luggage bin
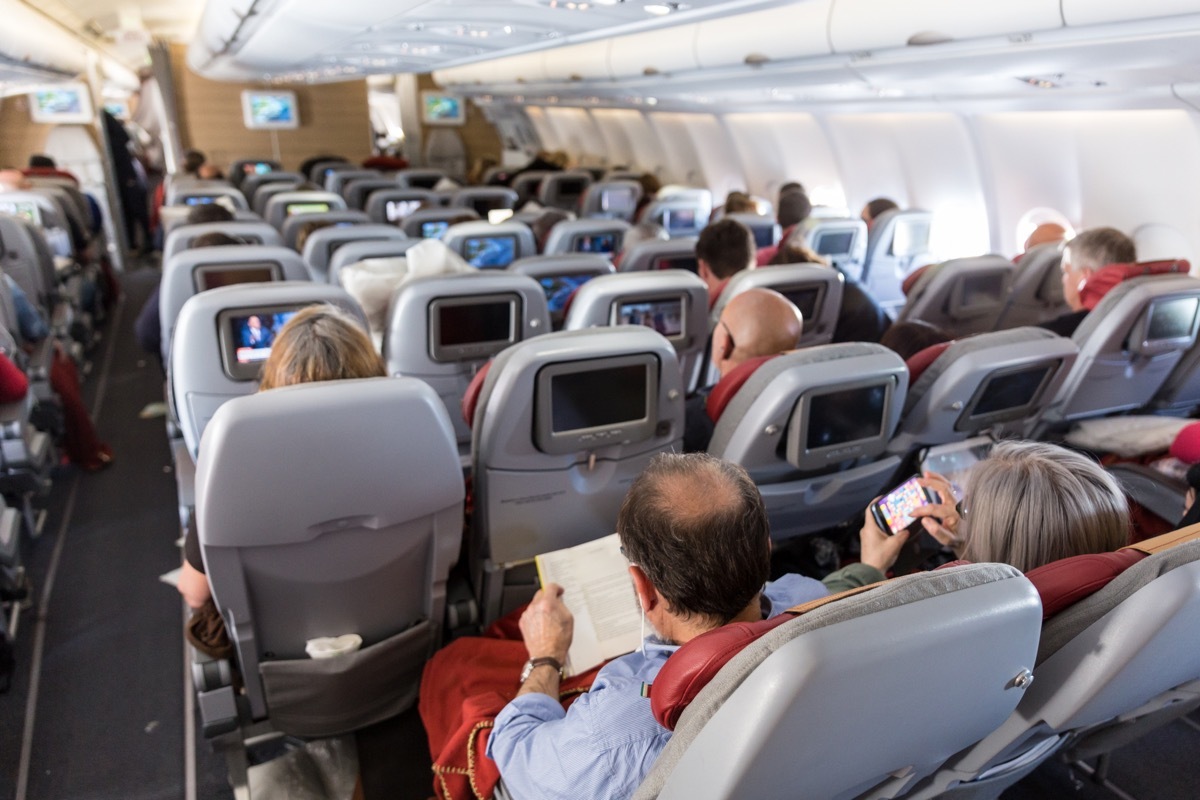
[1098,12]
[857,25]
[796,30]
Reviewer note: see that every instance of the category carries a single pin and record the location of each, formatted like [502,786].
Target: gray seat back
[814,289]
[190,272]
[293,225]
[204,370]
[897,244]
[286,205]
[982,382]
[358,190]
[28,261]
[766,230]
[317,172]
[526,185]
[961,296]
[442,328]
[773,721]
[419,178]
[586,236]
[1036,295]
[488,246]
[189,186]
[336,180]
[682,214]
[812,427]
[673,302]
[180,238]
[559,277]
[563,190]
[611,199]
[1107,662]
[482,199]
[199,194]
[322,244]
[1128,346]
[330,546]
[433,223]
[45,213]
[545,475]
[354,252]
[258,189]
[392,206]
[657,254]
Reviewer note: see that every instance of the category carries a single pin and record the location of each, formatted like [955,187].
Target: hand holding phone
[894,512]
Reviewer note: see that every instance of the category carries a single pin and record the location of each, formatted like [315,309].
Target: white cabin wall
[777,148]
[701,152]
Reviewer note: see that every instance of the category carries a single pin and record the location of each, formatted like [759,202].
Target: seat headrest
[728,386]
[911,281]
[1065,582]
[1104,279]
[923,360]
[1186,446]
[471,395]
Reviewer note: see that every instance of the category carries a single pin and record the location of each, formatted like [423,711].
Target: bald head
[1046,233]
[757,322]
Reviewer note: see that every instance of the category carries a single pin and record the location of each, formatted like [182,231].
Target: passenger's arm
[547,627]
[193,585]
[879,553]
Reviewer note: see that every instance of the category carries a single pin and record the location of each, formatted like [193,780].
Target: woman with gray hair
[1028,504]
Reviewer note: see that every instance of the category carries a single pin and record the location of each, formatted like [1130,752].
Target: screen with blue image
[432,230]
[560,287]
[594,243]
[255,333]
[490,252]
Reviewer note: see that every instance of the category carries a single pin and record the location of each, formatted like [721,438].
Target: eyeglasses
[625,555]
[729,333]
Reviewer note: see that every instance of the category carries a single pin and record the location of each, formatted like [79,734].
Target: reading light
[657,9]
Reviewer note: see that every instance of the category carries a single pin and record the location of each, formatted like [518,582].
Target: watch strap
[534,663]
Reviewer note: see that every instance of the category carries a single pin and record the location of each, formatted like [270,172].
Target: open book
[599,592]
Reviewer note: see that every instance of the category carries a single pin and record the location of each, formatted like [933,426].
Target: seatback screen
[688,263]
[247,335]
[838,418]
[764,235]
[834,243]
[594,243]
[214,277]
[306,208]
[618,201]
[560,287]
[490,252]
[911,237]
[397,210]
[472,327]
[257,168]
[679,220]
[982,290]
[1172,319]
[22,209]
[664,316]
[433,230]
[804,299]
[570,189]
[1009,392]
[200,199]
[486,204]
[598,398]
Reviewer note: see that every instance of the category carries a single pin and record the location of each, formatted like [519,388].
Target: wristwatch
[533,663]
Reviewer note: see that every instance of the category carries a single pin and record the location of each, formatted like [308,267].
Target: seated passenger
[193,160]
[793,208]
[908,338]
[651,186]
[642,232]
[1028,504]
[1046,233]
[320,343]
[210,172]
[860,318]
[874,208]
[725,248]
[755,323]
[696,535]
[1086,253]
[738,202]
[41,161]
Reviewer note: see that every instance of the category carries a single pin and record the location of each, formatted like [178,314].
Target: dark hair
[796,253]
[214,239]
[697,527]
[40,161]
[727,246]
[1101,247]
[192,161]
[208,212]
[790,186]
[739,203]
[794,207]
[880,205]
[910,337]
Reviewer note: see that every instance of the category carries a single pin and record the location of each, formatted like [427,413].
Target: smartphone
[893,512]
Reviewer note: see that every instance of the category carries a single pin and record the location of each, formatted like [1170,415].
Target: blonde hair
[320,343]
[1031,503]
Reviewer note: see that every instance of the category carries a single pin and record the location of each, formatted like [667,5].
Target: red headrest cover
[1067,581]
[728,386]
[692,666]
[471,396]
[49,172]
[1186,446]
[1102,280]
[923,360]
[912,279]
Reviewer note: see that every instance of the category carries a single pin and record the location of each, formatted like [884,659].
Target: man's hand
[880,550]
[941,519]
[547,625]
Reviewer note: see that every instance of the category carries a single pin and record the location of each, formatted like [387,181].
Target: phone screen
[893,513]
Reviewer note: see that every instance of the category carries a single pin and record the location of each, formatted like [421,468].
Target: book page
[599,592]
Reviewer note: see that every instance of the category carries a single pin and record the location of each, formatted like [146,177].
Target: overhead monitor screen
[1007,393]
[688,263]
[397,210]
[472,327]
[21,208]
[490,252]
[214,276]
[1172,319]
[67,103]
[834,243]
[598,398]
[442,109]
[270,110]
[560,287]
[852,415]
[664,316]
[618,202]
[805,300]
[432,230]
[911,237]
[306,208]
[594,243]
[679,220]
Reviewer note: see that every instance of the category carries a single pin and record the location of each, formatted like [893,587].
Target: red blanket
[464,686]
